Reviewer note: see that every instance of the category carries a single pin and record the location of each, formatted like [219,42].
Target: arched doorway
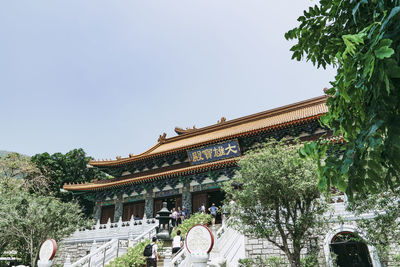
[349,250]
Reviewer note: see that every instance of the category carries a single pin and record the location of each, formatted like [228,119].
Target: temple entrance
[133,208]
[350,251]
[172,202]
[208,197]
[197,200]
[107,212]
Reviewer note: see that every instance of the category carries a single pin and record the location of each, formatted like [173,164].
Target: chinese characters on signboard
[215,152]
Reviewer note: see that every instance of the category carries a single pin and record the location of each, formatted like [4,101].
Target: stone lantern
[164,229]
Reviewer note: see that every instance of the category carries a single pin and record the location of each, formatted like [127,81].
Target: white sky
[111,76]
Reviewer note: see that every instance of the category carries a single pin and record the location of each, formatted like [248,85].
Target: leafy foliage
[260,262]
[397,259]
[197,218]
[71,167]
[134,256]
[28,213]
[362,39]
[278,199]
[383,229]
[27,220]
[310,260]
[15,166]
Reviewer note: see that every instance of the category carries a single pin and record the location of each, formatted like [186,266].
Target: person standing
[152,260]
[183,214]
[177,242]
[174,216]
[202,208]
[213,210]
[179,219]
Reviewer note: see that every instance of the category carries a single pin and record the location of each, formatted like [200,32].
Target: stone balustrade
[228,248]
[103,254]
[108,231]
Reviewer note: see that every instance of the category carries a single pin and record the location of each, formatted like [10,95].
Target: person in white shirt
[202,208]
[152,260]
[177,242]
[174,216]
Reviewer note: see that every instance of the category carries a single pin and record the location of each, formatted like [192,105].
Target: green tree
[28,219]
[15,166]
[278,198]
[383,229]
[362,40]
[71,167]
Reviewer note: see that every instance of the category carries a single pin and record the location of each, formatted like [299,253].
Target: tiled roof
[151,177]
[270,119]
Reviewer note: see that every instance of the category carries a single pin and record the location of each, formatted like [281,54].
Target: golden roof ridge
[218,126]
[149,177]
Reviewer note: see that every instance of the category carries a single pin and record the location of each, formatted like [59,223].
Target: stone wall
[263,248]
[74,250]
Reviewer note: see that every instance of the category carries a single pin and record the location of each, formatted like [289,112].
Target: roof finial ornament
[118,157]
[131,155]
[222,120]
[162,138]
[180,130]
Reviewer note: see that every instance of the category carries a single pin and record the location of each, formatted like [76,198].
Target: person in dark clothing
[152,260]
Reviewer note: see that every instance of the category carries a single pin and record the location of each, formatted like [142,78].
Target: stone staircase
[228,248]
[122,237]
[165,253]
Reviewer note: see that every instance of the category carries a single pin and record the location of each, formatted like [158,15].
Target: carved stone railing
[228,248]
[228,244]
[99,256]
[112,249]
[146,235]
[108,231]
[180,258]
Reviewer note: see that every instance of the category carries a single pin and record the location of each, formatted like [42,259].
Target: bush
[310,261]
[134,256]
[396,259]
[198,218]
[273,261]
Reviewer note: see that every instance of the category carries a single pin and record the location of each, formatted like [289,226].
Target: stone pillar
[149,204]
[97,210]
[187,198]
[200,259]
[118,208]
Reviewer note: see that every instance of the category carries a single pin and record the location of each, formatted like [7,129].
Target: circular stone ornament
[48,250]
[199,239]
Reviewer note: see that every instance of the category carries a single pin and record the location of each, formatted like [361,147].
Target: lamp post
[164,228]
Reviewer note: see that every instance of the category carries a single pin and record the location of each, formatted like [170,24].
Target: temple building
[187,170]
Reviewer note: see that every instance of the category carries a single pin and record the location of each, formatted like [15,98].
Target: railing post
[117,247]
[104,256]
[120,223]
[67,262]
[97,226]
[108,223]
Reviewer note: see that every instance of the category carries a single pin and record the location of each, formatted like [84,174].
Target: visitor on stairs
[174,216]
[184,214]
[177,242]
[202,208]
[152,260]
[179,219]
[213,210]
